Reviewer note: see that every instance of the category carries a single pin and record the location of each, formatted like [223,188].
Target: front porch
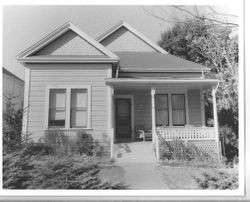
[169,110]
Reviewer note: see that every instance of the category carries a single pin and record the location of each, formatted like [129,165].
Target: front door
[123,119]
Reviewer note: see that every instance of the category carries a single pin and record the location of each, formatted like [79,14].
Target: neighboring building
[113,85]
[13,87]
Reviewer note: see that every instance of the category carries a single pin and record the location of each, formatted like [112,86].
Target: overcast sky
[25,25]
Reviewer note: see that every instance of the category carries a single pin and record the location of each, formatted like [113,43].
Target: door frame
[131,97]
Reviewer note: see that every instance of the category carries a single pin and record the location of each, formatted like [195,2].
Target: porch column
[203,121]
[216,128]
[153,114]
[110,118]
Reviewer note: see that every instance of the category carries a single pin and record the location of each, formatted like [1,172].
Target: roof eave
[163,70]
[65,60]
[155,81]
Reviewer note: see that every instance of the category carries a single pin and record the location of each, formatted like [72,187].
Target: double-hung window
[57,108]
[79,111]
[178,110]
[69,107]
[174,116]
[162,110]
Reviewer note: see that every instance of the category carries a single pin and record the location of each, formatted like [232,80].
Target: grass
[183,176]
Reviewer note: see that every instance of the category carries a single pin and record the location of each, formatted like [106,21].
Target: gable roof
[123,24]
[155,62]
[30,54]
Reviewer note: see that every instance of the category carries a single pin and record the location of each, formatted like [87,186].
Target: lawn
[187,177]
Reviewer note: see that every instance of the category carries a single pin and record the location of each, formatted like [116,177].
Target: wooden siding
[124,40]
[69,44]
[160,74]
[142,106]
[194,107]
[73,74]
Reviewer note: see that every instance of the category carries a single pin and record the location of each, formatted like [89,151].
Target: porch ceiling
[128,83]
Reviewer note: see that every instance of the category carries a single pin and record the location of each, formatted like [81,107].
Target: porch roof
[156,62]
[147,82]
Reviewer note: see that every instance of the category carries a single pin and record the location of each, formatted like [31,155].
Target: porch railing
[193,133]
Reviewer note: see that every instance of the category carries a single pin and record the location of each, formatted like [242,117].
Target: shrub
[24,171]
[229,143]
[37,149]
[12,126]
[177,150]
[62,144]
[17,170]
[218,180]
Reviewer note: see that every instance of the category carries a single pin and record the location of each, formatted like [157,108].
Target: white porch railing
[192,133]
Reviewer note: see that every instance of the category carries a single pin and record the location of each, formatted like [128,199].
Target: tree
[216,47]
[12,126]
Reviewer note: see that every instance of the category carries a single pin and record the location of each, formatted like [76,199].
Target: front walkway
[139,163]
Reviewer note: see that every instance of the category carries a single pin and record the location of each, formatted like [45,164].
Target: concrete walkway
[139,163]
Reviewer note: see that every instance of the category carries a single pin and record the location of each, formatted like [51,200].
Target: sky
[25,25]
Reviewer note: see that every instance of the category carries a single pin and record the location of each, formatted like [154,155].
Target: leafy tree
[216,47]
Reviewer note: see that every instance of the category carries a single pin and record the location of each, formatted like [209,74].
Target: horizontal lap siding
[194,106]
[40,78]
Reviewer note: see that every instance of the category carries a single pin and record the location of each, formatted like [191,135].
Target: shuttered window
[57,107]
[178,110]
[161,106]
[79,110]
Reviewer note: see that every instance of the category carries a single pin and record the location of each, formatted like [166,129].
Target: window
[162,110]
[69,107]
[78,116]
[57,108]
[178,110]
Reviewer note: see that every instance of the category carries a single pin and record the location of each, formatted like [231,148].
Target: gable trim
[133,31]
[24,56]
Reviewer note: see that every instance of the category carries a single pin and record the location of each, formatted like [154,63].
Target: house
[114,85]
[13,90]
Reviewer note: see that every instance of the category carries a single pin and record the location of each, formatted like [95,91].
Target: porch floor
[139,163]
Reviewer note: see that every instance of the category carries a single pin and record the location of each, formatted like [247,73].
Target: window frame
[55,108]
[185,110]
[170,93]
[168,108]
[68,89]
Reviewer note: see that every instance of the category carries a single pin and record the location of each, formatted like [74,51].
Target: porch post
[110,118]
[216,128]
[153,113]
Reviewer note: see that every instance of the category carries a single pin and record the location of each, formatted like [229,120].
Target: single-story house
[114,85]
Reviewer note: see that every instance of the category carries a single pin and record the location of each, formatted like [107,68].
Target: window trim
[167,108]
[49,108]
[68,89]
[185,110]
[170,93]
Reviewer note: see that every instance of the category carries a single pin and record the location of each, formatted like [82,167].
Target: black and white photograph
[147,99]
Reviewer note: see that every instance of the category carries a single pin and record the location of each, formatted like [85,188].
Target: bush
[177,150]
[32,168]
[12,127]
[62,144]
[65,173]
[17,170]
[218,180]
[229,143]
